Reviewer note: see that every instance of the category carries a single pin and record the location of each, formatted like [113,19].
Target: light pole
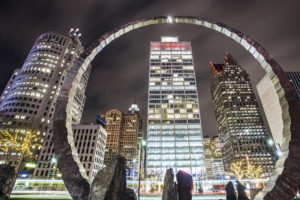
[143,143]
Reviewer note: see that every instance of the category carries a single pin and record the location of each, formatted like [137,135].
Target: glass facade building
[239,121]
[174,129]
[28,101]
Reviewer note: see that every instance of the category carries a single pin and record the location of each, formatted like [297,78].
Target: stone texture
[110,182]
[287,182]
[230,191]
[185,185]
[170,187]
[241,191]
[69,164]
[7,179]
[254,191]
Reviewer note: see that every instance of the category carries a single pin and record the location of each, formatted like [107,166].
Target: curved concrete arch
[287,172]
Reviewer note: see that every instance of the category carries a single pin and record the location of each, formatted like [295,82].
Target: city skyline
[67,96]
[206,45]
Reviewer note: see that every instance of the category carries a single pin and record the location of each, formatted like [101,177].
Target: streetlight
[143,143]
[270,142]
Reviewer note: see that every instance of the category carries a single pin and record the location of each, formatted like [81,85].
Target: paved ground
[65,197]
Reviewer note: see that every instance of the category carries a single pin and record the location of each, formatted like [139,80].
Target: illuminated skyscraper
[217,162]
[174,127]
[208,157]
[124,130]
[239,121]
[29,99]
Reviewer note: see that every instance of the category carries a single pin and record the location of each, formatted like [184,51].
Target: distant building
[174,128]
[239,121]
[28,101]
[217,158]
[208,157]
[124,131]
[213,158]
[294,77]
[90,141]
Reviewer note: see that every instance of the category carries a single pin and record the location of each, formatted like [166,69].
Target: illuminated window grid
[174,128]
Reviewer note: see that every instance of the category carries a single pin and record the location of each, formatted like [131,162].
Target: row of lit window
[174,163]
[177,138]
[191,87]
[173,116]
[40,63]
[157,111]
[171,52]
[176,126]
[172,151]
[172,132]
[157,56]
[173,144]
[174,156]
[170,83]
[175,101]
[186,75]
[171,96]
[33,94]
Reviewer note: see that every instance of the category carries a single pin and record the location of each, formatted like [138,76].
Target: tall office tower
[239,121]
[113,120]
[217,159]
[295,79]
[131,127]
[28,101]
[90,141]
[208,157]
[174,129]
[9,85]
[123,131]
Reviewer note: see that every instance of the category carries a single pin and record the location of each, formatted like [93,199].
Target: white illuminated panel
[169,39]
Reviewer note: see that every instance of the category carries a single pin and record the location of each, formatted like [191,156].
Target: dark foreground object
[185,185]
[230,191]
[241,191]
[110,182]
[170,187]
[7,174]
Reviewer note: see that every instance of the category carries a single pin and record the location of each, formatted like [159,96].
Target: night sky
[120,72]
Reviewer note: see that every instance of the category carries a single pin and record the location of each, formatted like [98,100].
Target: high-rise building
[28,101]
[239,121]
[174,129]
[217,159]
[113,120]
[124,130]
[90,141]
[213,158]
[294,77]
[208,157]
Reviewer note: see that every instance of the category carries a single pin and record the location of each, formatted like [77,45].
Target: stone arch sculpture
[284,182]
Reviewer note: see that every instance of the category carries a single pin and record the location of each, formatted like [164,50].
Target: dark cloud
[120,72]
